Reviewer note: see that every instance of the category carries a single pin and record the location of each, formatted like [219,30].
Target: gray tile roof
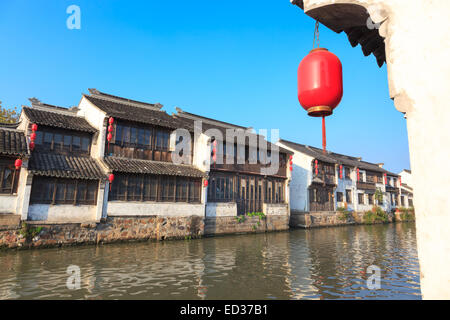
[13,142]
[209,123]
[152,167]
[62,166]
[126,109]
[335,158]
[53,118]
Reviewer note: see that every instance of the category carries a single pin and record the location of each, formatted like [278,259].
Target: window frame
[44,190]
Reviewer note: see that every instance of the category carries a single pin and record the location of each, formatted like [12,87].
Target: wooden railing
[365,185]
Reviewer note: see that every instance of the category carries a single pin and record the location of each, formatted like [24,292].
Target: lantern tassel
[324,136]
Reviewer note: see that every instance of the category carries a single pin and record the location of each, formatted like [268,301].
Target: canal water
[328,263]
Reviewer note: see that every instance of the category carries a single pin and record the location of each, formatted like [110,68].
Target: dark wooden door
[321,198]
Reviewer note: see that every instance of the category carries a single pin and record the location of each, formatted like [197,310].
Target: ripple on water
[313,264]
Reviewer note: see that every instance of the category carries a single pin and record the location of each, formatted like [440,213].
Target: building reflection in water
[301,264]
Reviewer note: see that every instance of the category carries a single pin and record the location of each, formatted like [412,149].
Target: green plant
[407,214]
[344,214]
[375,215]
[240,219]
[378,196]
[29,232]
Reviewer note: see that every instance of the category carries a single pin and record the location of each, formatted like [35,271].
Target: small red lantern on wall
[319,83]
[400,181]
[340,171]
[205,183]
[34,127]
[214,151]
[385,178]
[111,120]
[110,128]
[357,174]
[18,164]
[32,145]
[316,167]
[33,136]
[111,179]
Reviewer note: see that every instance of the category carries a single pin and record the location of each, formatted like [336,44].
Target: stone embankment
[339,218]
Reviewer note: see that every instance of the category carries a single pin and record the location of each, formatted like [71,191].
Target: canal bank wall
[337,218]
[122,229]
[137,228]
[110,230]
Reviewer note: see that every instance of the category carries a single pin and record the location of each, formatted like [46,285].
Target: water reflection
[302,264]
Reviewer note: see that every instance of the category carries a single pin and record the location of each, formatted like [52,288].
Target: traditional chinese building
[239,177]
[326,181]
[13,147]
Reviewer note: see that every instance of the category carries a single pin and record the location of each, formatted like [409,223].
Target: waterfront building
[139,155]
[327,181]
[243,184]
[65,182]
[406,189]
[13,146]
[114,158]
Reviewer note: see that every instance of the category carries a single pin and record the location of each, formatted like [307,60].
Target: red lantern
[33,136]
[385,178]
[290,157]
[111,120]
[400,180]
[340,171]
[291,162]
[34,127]
[316,167]
[290,168]
[357,174]
[31,145]
[110,128]
[320,82]
[18,164]
[214,157]
[111,179]
[109,137]
[205,183]
[319,85]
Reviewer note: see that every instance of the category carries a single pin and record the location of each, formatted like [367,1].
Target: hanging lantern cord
[324,136]
[316,35]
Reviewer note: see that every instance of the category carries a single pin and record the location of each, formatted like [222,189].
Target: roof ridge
[50,108]
[135,103]
[193,115]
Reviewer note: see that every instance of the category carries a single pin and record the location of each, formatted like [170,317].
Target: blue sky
[232,60]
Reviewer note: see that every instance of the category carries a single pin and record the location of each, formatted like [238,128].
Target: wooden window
[402,201]
[182,190]
[150,188]
[8,176]
[39,137]
[339,196]
[360,198]
[370,196]
[348,196]
[155,188]
[62,191]
[410,202]
[347,171]
[221,188]
[162,140]
[50,139]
